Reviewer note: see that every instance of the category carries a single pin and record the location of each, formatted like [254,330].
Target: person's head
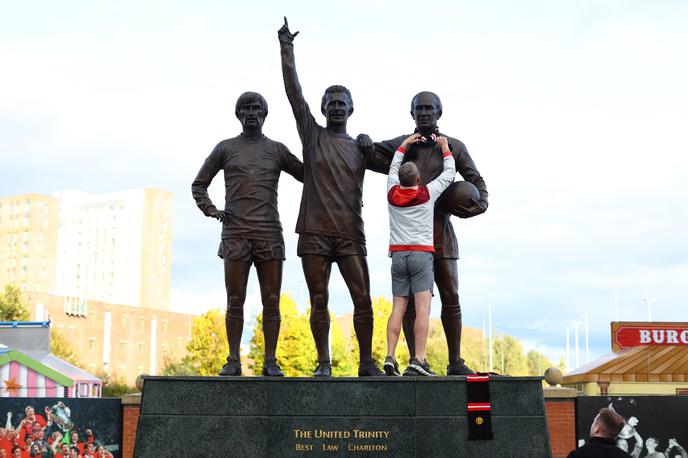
[73,452]
[74,437]
[651,443]
[251,110]
[40,434]
[3,453]
[426,110]
[65,449]
[16,452]
[337,105]
[36,426]
[89,448]
[607,424]
[29,411]
[408,174]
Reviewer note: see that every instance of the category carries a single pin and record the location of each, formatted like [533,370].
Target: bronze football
[458,198]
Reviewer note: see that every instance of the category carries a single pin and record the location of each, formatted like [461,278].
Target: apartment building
[115,248]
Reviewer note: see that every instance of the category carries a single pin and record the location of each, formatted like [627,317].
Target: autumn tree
[382,308]
[12,305]
[208,348]
[296,352]
[61,347]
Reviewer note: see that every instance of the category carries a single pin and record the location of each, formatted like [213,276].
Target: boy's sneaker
[411,372]
[232,368]
[391,367]
[422,368]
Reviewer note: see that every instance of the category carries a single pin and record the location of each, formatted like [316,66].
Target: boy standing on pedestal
[411,247]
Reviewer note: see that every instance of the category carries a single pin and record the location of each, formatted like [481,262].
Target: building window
[122,373]
[124,320]
[91,343]
[142,323]
[140,347]
[123,345]
[164,326]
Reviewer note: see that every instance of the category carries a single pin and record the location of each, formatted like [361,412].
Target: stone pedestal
[386,416]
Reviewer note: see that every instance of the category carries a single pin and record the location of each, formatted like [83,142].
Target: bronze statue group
[421,201]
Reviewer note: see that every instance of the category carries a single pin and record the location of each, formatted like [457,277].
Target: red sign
[635,336]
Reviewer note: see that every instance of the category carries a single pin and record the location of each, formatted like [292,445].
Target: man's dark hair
[408,174]
[611,422]
[251,97]
[335,89]
[438,102]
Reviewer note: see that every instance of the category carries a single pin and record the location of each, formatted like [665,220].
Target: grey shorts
[412,272]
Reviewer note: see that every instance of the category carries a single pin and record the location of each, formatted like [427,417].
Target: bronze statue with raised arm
[426,110]
[330,224]
[251,228]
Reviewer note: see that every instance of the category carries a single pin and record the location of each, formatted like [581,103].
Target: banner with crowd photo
[56,425]
[654,424]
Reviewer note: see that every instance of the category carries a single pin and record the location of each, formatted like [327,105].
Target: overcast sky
[575,114]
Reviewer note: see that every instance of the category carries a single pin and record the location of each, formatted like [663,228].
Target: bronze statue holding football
[464,199]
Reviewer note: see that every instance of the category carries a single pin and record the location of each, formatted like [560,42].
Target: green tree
[183,366]
[113,387]
[382,308]
[344,358]
[208,348]
[537,363]
[509,357]
[62,348]
[436,348]
[562,365]
[12,305]
[296,352]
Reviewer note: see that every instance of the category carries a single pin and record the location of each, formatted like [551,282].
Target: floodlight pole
[587,340]
[575,325]
[649,301]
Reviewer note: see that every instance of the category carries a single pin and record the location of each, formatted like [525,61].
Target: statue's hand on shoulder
[284,34]
[364,143]
[219,215]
